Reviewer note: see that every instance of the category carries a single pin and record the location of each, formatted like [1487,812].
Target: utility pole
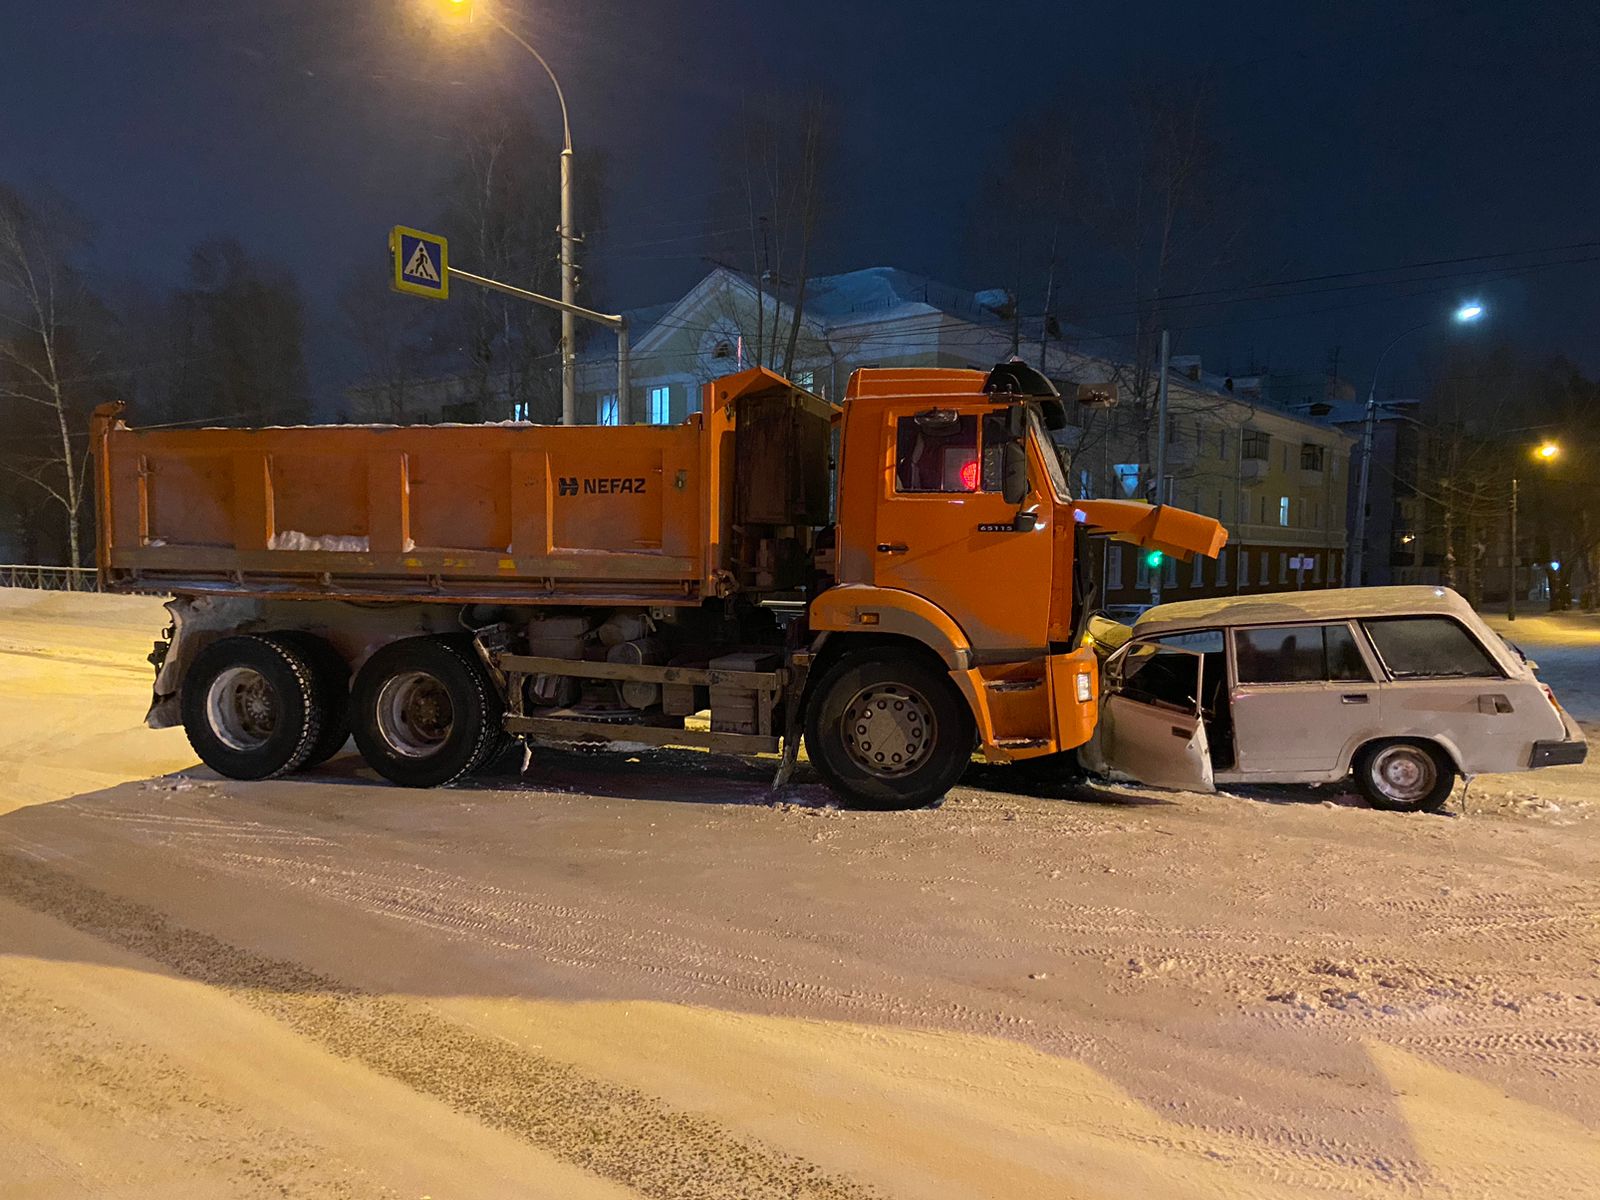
[568,255]
[1161,452]
[1355,559]
[1511,591]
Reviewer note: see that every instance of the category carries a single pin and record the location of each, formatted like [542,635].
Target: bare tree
[779,157]
[47,371]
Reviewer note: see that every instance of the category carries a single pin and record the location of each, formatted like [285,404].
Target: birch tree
[46,372]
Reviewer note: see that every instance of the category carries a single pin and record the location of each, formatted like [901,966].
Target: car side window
[1429,648]
[1153,673]
[1298,654]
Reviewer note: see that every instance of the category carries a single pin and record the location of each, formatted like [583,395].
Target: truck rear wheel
[331,676]
[423,712]
[888,731]
[250,707]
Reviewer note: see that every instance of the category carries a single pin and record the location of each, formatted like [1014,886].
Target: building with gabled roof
[1278,479]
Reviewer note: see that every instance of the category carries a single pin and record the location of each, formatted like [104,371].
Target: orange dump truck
[432,590]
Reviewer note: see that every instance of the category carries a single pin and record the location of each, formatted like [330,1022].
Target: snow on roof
[1321,605]
[1354,412]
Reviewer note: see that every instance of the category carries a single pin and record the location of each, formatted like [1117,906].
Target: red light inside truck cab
[969,475]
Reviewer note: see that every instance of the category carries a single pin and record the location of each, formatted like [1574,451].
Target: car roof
[1329,604]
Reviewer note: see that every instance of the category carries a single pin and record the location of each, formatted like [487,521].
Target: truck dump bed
[642,514]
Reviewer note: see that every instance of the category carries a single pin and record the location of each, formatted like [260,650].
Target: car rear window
[1298,654]
[1429,648]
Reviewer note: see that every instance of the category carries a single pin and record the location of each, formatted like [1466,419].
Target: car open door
[1150,726]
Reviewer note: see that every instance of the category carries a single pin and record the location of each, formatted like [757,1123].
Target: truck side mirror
[1014,458]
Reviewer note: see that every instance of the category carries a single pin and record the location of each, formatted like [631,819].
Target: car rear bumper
[1559,754]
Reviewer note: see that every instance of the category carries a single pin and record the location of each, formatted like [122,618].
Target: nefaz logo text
[570,485]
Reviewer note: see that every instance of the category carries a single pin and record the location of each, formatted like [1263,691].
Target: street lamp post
[1547,452]
[1355,561]
[569,266]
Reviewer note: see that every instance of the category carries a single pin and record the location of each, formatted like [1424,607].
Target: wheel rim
[415,716]
[889,729]
[1404,774]
[242,708]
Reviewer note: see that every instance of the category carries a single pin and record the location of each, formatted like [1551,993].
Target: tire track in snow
[614,1131]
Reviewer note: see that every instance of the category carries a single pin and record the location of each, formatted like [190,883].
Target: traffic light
[1154,559]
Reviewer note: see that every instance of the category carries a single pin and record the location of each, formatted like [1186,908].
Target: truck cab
[957,549]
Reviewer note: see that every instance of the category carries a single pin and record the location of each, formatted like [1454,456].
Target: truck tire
[250,707]
[1400,775]
[331,675]
[423,712]
[888,730]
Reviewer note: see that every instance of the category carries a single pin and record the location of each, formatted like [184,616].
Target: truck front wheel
[423,712]
[888,730]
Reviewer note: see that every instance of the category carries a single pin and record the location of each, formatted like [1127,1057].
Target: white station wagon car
[1405,687]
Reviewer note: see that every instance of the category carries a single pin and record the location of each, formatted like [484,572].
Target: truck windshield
[1056,458]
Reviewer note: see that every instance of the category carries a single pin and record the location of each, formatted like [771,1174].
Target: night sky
[1358,135]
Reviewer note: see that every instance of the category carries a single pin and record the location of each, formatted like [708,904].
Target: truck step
[1014,685]
[1019,743]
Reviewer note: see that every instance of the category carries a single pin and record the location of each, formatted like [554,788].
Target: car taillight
[1550,696]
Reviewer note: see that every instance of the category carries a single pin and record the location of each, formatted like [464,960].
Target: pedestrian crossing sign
[421,263]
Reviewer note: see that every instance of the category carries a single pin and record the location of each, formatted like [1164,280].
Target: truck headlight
[1085,688]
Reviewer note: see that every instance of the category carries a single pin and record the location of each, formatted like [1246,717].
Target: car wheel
[331,675]
[888,730]
[423,712]
[1404,776]
[250,707]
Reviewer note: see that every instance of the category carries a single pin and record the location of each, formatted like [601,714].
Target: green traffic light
[1154,558]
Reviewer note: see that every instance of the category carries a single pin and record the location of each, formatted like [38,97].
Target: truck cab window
[937,455]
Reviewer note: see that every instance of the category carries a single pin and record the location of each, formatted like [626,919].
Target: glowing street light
[461,12]
[1546,452]
[1467,313]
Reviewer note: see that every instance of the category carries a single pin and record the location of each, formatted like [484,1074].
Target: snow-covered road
[641,976]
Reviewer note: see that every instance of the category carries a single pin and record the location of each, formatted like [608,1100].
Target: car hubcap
[889,729]
[242,708]
[1404,773]
[414,714]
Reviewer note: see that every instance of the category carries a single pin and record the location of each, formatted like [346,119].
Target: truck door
[945,532]
[1150,718]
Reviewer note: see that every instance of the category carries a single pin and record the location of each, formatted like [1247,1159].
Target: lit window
[519,410]
[609,413]
[1283,510]
[806,380]
[660,406]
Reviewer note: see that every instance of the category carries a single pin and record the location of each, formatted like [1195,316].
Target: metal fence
[49,579]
